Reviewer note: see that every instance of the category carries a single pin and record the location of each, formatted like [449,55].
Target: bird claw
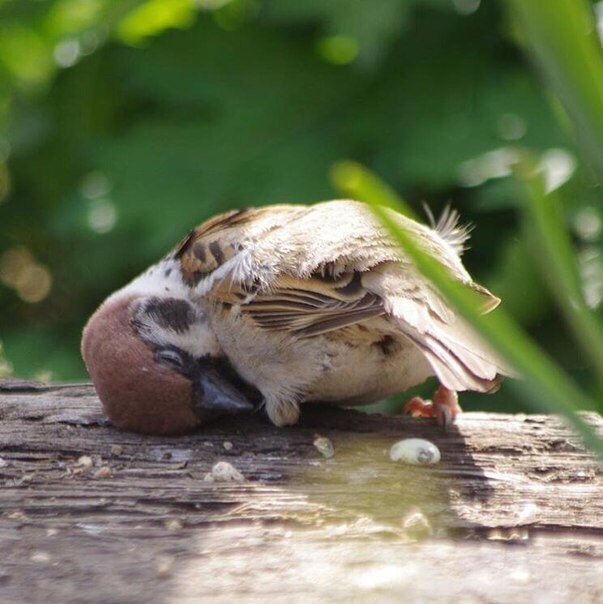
[444,407]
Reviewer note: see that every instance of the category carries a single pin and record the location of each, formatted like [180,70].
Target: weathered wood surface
[514,510]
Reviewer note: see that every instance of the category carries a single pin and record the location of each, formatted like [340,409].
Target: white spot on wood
[415,451]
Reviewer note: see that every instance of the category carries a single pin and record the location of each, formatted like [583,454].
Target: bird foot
[444,407]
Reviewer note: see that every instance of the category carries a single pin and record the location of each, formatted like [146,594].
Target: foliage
[127,123]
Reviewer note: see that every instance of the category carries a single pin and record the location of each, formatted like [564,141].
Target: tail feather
[458,356]
[458,368]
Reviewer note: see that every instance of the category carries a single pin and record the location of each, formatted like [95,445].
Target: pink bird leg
[444,406]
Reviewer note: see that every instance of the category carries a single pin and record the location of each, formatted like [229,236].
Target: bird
[281,306]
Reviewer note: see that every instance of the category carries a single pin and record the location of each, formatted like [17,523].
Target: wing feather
[310,270]
[305,307]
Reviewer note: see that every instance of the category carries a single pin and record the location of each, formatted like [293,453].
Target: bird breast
[366,364]
[358,364]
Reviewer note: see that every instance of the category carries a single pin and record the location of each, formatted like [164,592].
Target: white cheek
[198,340]
[165,278]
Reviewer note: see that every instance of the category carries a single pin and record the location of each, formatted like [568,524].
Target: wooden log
[513,512]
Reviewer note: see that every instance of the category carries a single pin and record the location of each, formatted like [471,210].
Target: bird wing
[228,259]
[309,270]
[304,306]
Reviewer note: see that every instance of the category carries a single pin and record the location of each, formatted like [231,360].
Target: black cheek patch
[170,313]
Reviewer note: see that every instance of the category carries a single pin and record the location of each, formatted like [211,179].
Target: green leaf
[371,26]
[153,17]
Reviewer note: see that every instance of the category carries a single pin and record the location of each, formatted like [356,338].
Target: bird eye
[170,358]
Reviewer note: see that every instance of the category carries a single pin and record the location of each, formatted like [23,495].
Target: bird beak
[216,395]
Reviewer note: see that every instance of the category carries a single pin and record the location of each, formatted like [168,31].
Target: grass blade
[358,182]
[561,35]
[547,235]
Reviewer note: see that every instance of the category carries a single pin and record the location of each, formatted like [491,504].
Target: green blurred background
[123,124]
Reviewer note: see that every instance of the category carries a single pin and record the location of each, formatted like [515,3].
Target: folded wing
[310,270]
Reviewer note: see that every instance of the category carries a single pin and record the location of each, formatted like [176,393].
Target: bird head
[157,366]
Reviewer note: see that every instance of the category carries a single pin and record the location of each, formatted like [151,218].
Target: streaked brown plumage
[309,303]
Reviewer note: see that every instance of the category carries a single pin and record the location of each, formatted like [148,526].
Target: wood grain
[514,511]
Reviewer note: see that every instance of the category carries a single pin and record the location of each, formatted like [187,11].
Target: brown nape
[138,395]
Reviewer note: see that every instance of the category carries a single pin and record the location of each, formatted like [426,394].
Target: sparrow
[286,305]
